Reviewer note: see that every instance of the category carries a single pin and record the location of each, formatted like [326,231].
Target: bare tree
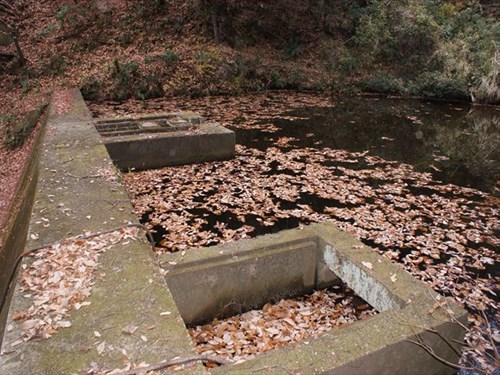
[9,20]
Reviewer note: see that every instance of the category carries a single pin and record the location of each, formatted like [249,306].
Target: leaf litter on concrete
[59,279]
[286,322]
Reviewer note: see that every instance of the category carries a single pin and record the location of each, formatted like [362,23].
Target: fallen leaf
[367,265]
[129,329]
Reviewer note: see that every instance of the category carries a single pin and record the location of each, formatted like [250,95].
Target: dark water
[457,143]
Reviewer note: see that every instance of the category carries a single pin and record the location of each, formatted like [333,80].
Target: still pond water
[291,171]
[457,143]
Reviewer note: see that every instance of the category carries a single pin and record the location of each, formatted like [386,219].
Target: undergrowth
[150,48]
[431,48]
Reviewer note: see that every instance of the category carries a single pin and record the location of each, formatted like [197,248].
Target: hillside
[117,49]
[203,55]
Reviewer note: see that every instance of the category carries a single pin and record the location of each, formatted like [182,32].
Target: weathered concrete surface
[75,171]
[235,284]
[206,143]
[378,345]
[13,235]
[127,289]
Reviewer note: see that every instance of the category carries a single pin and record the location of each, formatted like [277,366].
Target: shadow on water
[457,143]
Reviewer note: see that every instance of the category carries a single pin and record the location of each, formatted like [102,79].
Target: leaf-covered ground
[445,235]
[58,280]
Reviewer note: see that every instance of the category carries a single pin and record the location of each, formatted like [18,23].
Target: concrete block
[204,282]
[160,140]
[234,284]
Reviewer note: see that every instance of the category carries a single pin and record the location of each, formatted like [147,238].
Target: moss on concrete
[127,289]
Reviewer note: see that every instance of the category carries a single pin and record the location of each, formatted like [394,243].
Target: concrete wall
[209,142]
[127,286]
[235,284]
[16,228]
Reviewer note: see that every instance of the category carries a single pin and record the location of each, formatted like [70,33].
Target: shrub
[386,84]
[18,130]
[56,65]
[441,85]
[170,56]
[488,90]
[129,81]
[92,88]
[276,80]
[292,46]
[441,49]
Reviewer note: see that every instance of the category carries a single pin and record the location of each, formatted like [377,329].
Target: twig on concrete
[175,362]
[82,177]
[96,234]
[420,342]
[267,368]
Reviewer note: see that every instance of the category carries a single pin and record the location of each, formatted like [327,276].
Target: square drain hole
[219,289]
[289,321]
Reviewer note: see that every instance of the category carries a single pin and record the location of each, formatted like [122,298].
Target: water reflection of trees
[472,152]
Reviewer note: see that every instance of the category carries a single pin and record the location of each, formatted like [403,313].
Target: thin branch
[267,368]
[490,333]
[431,330]
[7,9]
[431,352]
[175,362]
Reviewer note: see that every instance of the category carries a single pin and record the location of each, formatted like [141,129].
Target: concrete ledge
[160,140]
[74,197]
[13,235]
[239,271]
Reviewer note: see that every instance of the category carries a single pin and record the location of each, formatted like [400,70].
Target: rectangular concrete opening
[228,279]
[249,280]
[280,324]
[146,124]
[230,284]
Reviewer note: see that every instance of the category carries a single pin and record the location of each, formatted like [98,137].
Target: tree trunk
[22,59]
[214,25]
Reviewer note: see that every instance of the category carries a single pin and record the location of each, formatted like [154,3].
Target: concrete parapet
[80,191]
